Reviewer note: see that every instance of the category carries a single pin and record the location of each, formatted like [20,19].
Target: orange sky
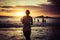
[32,5]
[35,11]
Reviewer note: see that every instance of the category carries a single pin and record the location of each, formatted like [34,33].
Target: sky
[23,2]
[36,7]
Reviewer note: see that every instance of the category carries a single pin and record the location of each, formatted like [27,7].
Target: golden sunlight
[20,14]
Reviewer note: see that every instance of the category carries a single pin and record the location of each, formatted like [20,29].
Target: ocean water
[37,33]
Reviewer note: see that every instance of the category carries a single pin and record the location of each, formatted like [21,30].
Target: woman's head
[27,12]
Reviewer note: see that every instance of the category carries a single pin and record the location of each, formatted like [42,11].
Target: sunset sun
[20,14]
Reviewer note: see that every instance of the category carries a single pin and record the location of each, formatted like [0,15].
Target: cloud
[53,9]
[56,5]
[1,3]
[56,2]
[23,2]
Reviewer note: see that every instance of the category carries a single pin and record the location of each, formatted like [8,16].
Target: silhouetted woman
[27,22]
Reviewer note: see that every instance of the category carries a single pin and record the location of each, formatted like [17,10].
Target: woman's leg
[27,35]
